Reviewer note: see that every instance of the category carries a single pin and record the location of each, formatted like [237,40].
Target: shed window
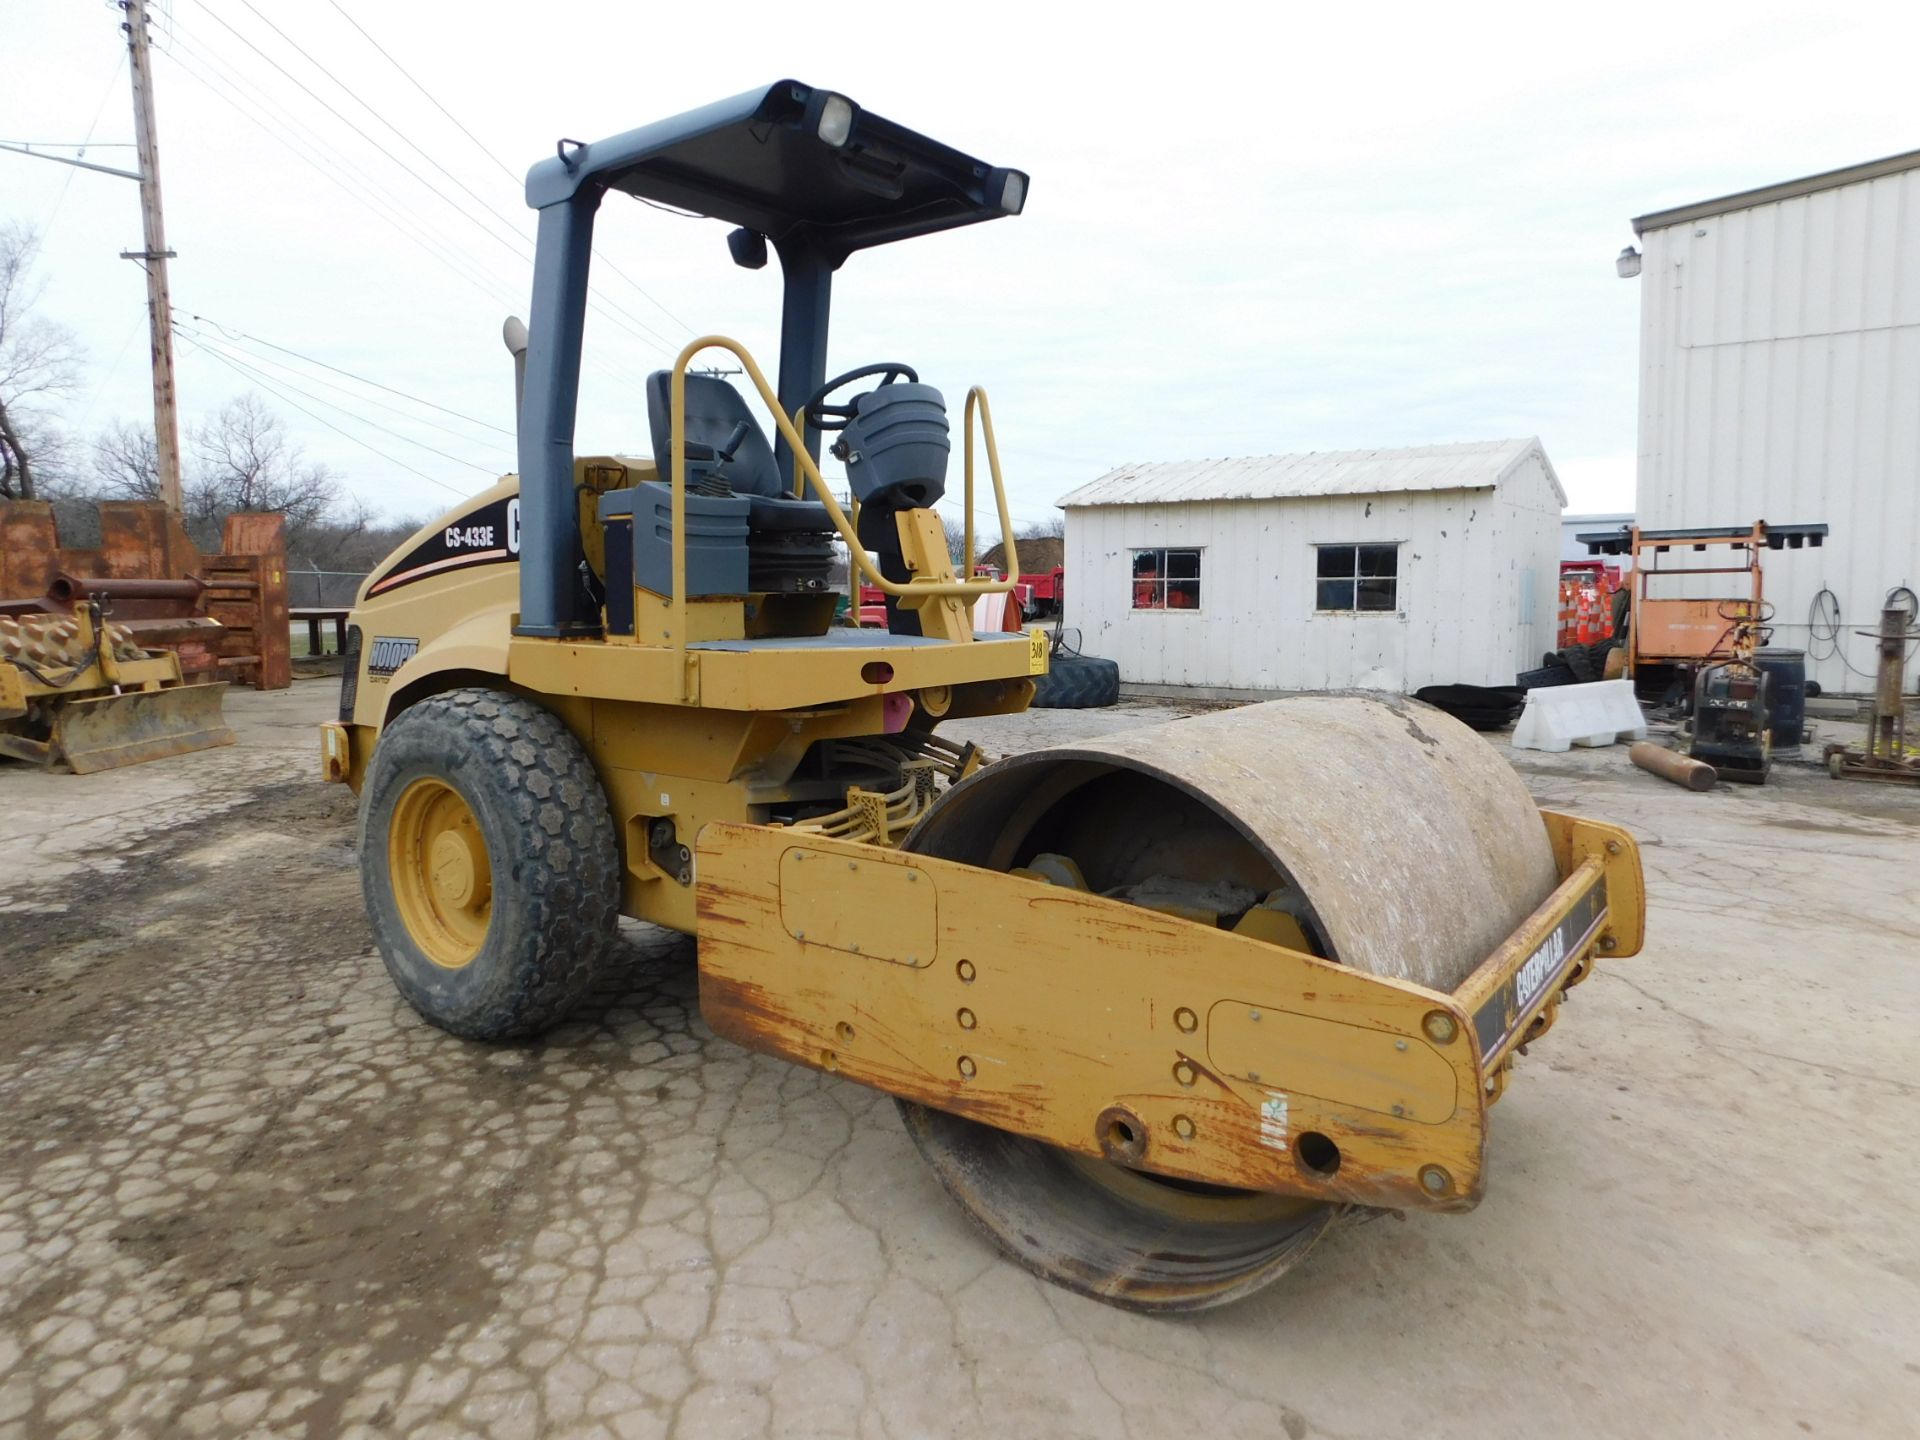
[1166,579]
[1357,577]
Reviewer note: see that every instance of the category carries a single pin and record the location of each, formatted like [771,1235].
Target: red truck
[1040,595]
[1043,593]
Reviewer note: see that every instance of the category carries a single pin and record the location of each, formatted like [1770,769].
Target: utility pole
[166,420]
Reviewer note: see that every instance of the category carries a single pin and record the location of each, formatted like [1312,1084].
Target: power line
[356,396]
[270,103]
[216,355]
[100,386]
[230,334]
[629,321]
[166,29]
[305,148]
[502,165]
[412,144]
[505,169]
[255,370]
[286,129]
[256,379]
[113,82]
[333,111]
[275,121]
[600,259]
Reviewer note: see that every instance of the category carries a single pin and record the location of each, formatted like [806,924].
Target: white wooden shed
[1359,569]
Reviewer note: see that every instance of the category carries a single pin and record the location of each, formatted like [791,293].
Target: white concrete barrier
[1598,713]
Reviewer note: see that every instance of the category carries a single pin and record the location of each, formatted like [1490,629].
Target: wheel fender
[470,648]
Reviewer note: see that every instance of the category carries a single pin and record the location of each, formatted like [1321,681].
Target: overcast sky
[1251,229]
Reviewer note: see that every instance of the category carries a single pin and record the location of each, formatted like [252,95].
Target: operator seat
[745,532]
[725,444]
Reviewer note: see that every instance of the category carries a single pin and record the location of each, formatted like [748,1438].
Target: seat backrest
[714,411]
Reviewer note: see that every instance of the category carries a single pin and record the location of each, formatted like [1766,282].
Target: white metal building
[1366,569]
[1575,525]
[1780,380]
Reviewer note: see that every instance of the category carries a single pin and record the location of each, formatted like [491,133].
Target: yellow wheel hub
[442,878]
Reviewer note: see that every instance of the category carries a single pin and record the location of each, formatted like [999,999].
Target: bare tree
[39,360]
[350,539]
[243,459]
[126,466]
[246,462]
[126,462]
[1054,529]
[956,536]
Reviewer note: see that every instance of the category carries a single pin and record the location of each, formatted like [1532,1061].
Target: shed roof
[1474,465]
[1785,190]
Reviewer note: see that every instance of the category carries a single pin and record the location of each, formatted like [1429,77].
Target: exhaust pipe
[514,332]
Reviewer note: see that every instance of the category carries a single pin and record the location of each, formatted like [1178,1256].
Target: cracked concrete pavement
[244,1191]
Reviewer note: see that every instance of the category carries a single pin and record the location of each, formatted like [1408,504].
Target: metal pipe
[1682,770]
[514,333]
[72,589]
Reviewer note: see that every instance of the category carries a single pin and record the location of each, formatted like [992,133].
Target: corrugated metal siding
[1572,525]
[1533,543]
[1780,380]
[1469,560]
[1332,472]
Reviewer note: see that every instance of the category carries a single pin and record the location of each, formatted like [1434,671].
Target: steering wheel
[825,417]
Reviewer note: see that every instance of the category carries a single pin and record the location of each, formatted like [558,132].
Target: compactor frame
[1218,1018]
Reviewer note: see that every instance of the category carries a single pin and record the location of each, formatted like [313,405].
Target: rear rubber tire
[550,851]
[1077,682]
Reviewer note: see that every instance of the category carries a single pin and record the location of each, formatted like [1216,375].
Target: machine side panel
[1091,1024]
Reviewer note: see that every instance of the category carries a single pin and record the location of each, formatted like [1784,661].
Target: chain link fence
[310,589]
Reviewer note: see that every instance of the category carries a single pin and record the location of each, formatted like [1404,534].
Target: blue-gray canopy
[801,166]
[802,170]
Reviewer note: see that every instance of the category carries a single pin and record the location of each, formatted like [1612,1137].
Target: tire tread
[562,865]
[1077,682]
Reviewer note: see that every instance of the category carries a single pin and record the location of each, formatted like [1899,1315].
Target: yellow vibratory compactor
[1157,1008]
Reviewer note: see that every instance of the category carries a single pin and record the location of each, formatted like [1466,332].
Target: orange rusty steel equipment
[234,624]
[1688,630]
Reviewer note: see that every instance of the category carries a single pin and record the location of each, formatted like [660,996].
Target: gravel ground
[244,1191]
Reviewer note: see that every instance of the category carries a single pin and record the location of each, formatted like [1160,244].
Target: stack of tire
[1077,682]
[1587,662]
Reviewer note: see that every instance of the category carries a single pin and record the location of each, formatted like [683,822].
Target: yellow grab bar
[803,461]
[799,475]
[999,490]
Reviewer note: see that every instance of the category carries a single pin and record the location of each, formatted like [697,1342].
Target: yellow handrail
[677,482]
[999,490]
[799,475]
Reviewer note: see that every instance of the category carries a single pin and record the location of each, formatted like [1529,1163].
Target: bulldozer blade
[103,732]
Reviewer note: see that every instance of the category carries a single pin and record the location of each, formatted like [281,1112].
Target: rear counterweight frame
[1163,1044]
